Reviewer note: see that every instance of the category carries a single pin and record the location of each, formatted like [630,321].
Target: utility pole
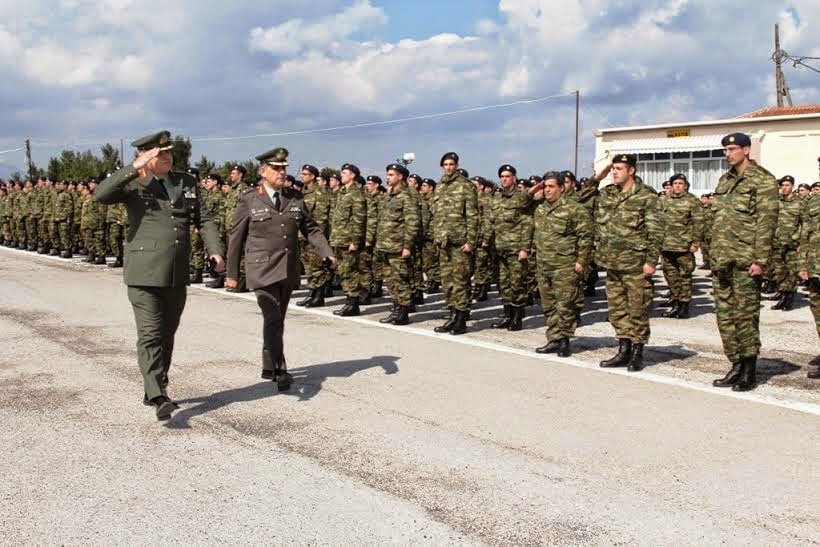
[577,126]
[122,154]
[780,78]
[28,160]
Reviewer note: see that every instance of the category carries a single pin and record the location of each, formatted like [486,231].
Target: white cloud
[50,64]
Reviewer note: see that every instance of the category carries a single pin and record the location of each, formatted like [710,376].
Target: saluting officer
[266,225]
[161,205]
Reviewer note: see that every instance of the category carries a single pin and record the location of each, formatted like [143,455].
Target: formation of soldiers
[542,238]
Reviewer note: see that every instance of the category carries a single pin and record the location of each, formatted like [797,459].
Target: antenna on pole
[577,125]
[780,78]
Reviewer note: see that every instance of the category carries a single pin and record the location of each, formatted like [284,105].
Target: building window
[703,169]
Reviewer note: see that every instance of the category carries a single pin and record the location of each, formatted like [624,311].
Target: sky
[240,78]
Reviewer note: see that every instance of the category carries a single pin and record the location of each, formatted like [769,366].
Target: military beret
[525,182]
[193,171]
[311,169]
[298,184]
[417,177]
[478,179]
[290,178]
[507,167]
[569,174]
[678,176]
[804,185]
[382,189]
[398,168]
[277,157]
[240,168]
[787,178]
[463,172]
[488,184]
[215,177]
[429,182]
[374,178]
[815,185]
[739,139]
[360,180]
[449,156]
[584,180]
[352,168]
[629,159]
[535,179]
[666,184]
[161,140]
[555,175]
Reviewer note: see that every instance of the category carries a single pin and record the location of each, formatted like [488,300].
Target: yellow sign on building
[677,133]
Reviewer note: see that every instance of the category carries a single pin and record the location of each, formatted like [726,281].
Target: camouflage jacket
[349,217]
[117,214]
[372,203]
[398,223]
[35,203]
[427,203]
[417,198]
[93,214]
[745,218]
[49,199]
[319,202]
[810,240]
[77,217]
[708,214]
[231,200]
[22,204]
[485,209]
[455,221]
[563,234]
[5,210]
[683,222]
[588,196]
[63,207]
[789,222]
[628,228]
[510,227]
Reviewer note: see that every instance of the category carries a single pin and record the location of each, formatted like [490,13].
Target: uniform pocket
[142,246]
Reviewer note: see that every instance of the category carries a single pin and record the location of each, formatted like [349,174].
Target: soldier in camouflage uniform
[809,257]
[238,186]
[588,197]
[18,223]
[5,216]
[562,239]
[214,201]
[629,230]
[455,231]
[95,227]
[683,229]
[396,236]
[708,214]
[46,229]
[318,201]
[785,261]
[413,184]
[429,253]
[745,221]
[35,217]
[483,275]
[76,219]
[367,254]
[117,219]
[511,233]
[23,221]
[197,258]
[347,237]
[61,216]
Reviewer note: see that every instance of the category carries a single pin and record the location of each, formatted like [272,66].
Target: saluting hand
[219,263]
[143,158]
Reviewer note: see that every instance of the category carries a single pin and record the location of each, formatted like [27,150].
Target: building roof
[770,111]
[729,121]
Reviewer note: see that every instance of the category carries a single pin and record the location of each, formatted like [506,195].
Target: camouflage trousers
[20,232]
[348,270]
[5,230]
[417,279]
[512,278]
[76,234]
[629,297]
[116,235]
[456,270]
[704,250]
[63,235]
[398,274]
[532,277]
[197,250]
[366,257]
[429,262]
[737,309]
[677,269]
[785,267]
[483,265]
[559,290]
[32,230]
[814,302]
[48,232]
[317,275]
[94,239]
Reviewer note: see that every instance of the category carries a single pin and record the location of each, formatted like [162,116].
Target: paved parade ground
[392,434]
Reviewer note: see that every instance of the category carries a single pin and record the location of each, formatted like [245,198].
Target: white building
[786,141]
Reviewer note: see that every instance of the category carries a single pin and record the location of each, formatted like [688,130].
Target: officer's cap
[277,157]
[554,175]
[739,139]
[311,169]
[375,178]
[161,140]
[463,173]
[448,156]
[787,178]
[429,182]
[240,168]
[398,168]
[507,167]
[629,159]
[352,168]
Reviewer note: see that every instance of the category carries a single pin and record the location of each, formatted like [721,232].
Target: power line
[11,150]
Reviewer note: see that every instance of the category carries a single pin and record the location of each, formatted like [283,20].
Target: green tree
[205,166]
[327,172]
[182,153]
[110,160]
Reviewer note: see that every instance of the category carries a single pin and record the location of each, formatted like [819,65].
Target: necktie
[276,200]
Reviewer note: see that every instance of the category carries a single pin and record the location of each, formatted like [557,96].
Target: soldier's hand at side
[804,275]
[578,268]
[231,283]
[523,255]
[352,247]
[219,263]
[367,245]
[332,261]
[467,248]
[484,244]
[755,270]
[648,270]
[143,158]
[405,253]
[693,248]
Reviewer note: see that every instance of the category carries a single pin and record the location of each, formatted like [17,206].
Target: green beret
[161,140]
[739,139]
[629,159]
[277,157]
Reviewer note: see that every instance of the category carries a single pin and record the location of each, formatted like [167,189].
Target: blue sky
[89,71]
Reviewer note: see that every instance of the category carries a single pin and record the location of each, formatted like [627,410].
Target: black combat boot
[117,263]
[306,299]
[781,298]
[683,310]
[393,313]
[671,303]
[54,251]
[418,298]
[345,307]
[550,347]
[41,249]
[328,289]
[100,261]
[401,318]
[530,300]
[351,307]
[89,258]
[432,287]
[318,299]
[448,325]
[788,301]
[483,292]
[460,323]
[505,320]
[563,348]
[673,311]
[66,254]
[731,377]
[748,376]
[814,374]
[476,292]
[377,289]
[516,318]
[636,361]
[196,275]
[217,283]
[622,357]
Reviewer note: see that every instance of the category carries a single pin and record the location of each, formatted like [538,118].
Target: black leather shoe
[117,263]
[317,300]
[100,261]
[731,377]
[636,361]
[145,400]
[505,320]
[268,375]
[448,325]
[748,376]
[283,380]
[814,374]
[551,347]
[460,323]
[621,359]
[306,299]
[563,348]
[217,283]
[165,407]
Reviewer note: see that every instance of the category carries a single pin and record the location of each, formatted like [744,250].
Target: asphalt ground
[391,434]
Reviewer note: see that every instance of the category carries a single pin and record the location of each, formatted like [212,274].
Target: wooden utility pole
[577,126]
[28,159]
[780,79]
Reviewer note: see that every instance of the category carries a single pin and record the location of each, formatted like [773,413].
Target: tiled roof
[784,111]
